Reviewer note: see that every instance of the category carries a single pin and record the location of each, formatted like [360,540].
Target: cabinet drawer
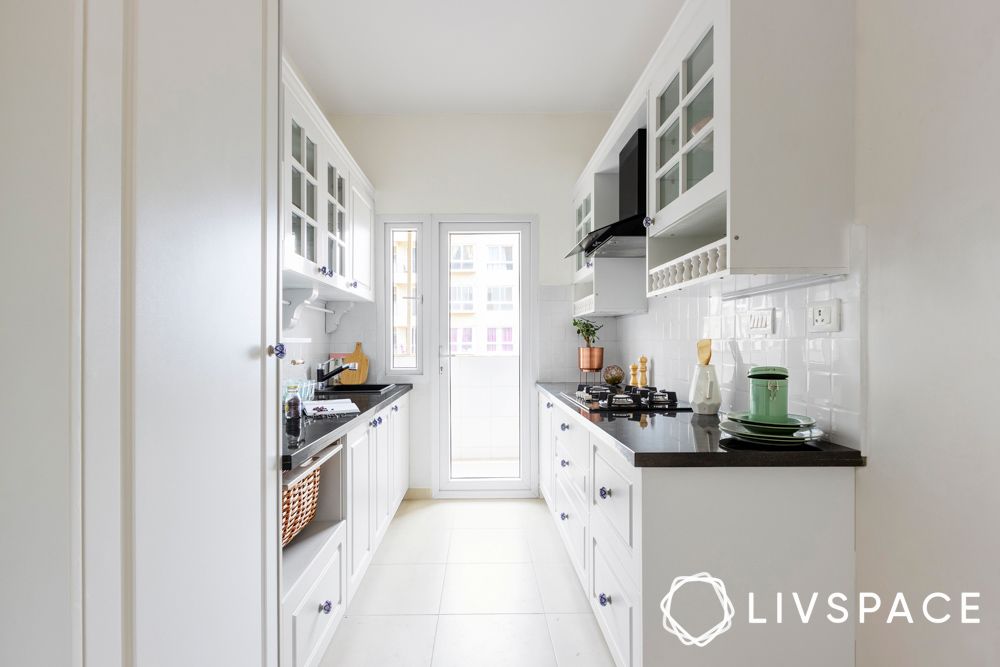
[613,496]
[614,605]
[319,612]
[573,527]
[571,467]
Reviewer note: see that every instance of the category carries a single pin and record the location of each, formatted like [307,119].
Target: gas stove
[603,398]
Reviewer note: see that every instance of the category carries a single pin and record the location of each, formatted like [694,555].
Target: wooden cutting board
[359,376]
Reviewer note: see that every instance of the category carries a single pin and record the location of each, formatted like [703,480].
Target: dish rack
[709,261]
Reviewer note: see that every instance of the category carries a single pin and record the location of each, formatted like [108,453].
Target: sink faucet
[325,372]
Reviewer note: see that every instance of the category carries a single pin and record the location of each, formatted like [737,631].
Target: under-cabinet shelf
[698,266]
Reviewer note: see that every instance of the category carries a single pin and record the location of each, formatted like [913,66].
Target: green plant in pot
[591,358]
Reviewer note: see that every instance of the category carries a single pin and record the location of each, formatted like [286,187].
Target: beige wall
[39,617]
[927,185]
[480,164]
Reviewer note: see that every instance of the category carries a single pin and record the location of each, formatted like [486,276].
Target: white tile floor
[470,584]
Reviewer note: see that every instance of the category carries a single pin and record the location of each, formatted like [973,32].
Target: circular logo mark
[673,627]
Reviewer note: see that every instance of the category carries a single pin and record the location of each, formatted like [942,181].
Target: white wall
[927,147]
[485,164]
[471,164]
[39,486]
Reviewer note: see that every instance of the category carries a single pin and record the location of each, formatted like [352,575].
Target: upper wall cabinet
[329,207]
[604,286]
[750,108]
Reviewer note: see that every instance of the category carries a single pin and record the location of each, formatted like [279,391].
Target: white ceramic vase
[705,397]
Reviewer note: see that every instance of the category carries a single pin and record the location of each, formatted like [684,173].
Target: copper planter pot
[591,358]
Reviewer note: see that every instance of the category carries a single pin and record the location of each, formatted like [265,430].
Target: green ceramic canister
[768,393]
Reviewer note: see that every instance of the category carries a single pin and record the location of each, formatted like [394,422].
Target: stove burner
[622,401]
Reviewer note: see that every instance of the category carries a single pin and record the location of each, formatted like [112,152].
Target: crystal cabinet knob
[395,408]
[604,600]
[563,463]
[563,427]
[647,222]
[353,283]
[326,607]
[604,492]
[563,516]
[548,404]
[373,423]
[277,350]
[379,420]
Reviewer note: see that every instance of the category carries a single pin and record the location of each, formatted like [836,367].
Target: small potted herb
[591,358]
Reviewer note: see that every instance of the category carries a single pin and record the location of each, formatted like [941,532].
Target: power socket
[823,316]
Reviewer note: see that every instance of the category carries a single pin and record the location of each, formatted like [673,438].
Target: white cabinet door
[382,443]
[545,453]
[305,249]
[400,421]
[359,518]
[362,228]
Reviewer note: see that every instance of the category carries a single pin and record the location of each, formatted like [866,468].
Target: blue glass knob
[563,427]
[326,607]
[563,516]
[563,463]
[604,600]
[647,222]
[604,492]
[277,350]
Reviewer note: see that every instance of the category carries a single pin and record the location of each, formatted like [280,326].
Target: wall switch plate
[761,321]
[823,316]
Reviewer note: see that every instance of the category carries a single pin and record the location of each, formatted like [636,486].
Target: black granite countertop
[311,435]
[684,439]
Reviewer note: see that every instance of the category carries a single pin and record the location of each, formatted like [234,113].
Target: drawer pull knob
[604,600]
[563,462]
[564,427]
[563,516]
[548,404]
[379,420]
[326,607]
[395,408]
[605,492]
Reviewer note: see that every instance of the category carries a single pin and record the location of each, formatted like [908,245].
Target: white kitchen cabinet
[383,505]
[749,170]
[399,422]
[545,448]
[362,234]
[364,476]
[360,515]
[747,107]
[640,527]
[328,205]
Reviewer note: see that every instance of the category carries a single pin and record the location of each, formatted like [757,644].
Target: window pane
[296,142]
[698,63]
[405,301]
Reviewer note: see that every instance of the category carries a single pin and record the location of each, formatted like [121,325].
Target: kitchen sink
[356,389]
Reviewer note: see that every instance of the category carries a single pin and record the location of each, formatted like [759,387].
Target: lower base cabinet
[761,530]
[329,559]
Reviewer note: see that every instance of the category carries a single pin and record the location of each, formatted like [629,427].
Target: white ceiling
[472,56]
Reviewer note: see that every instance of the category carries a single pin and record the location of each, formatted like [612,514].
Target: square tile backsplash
[825,369]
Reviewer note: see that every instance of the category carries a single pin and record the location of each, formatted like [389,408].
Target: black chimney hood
[627,237]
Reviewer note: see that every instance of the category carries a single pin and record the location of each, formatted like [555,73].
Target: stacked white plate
[791,431]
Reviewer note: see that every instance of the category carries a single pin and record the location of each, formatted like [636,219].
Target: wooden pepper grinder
[643,363]
[632,379]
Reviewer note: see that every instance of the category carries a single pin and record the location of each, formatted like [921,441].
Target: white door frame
[437,315]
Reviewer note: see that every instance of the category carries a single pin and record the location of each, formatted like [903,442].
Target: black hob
[604,398]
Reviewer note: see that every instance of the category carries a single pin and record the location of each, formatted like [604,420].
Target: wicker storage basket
[298,505]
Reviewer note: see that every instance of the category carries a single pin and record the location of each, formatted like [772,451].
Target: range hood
[627,236]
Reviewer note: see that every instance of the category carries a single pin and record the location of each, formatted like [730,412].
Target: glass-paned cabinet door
[336,223]
[304,186]
[584,225]
[685,109]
